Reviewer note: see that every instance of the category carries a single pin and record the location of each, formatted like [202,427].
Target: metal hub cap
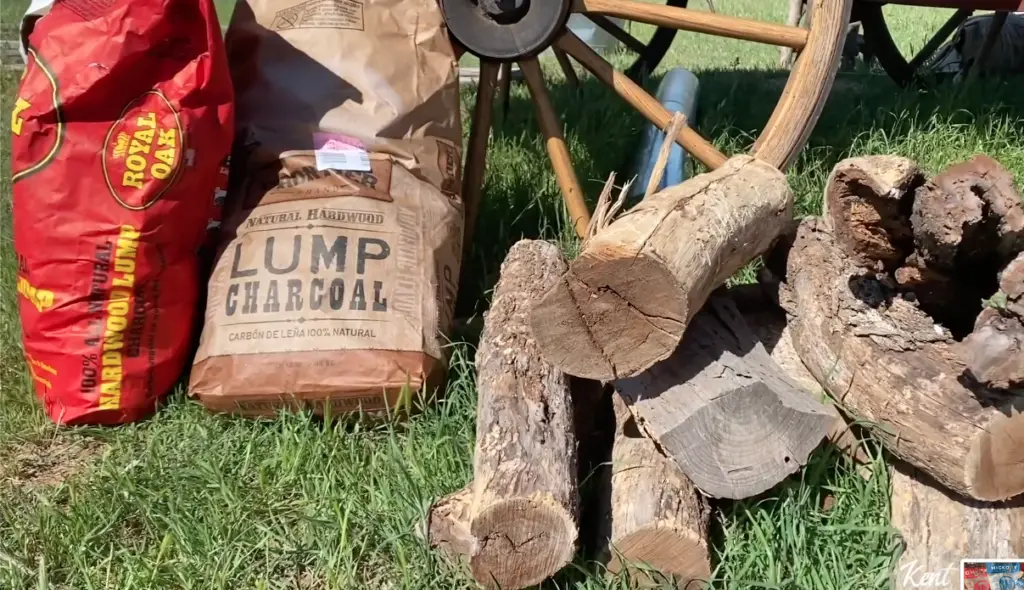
[505,30]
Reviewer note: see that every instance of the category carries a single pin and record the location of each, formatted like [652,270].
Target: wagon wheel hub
[505,30]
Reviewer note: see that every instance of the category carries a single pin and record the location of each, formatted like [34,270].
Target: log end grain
[581,320]
[522,541]
[867,205]
[724,410]
[995,465]
[675,554]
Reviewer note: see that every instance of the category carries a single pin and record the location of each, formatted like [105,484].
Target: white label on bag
[334,151]
[349,159]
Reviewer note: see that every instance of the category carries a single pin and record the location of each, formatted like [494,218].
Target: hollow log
[867,206]
[995,349]
[627,299]
[655,517]
[969,218]
[524,512]
[887,362]
[940,529]
[724,410]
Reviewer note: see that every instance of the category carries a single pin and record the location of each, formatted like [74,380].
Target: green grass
[191,500]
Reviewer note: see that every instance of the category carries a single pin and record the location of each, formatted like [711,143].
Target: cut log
[770,329]
[951,302]
[885,361]
[867,205]
[448,526]
[655,517]
[524,515]
[995,349]
[628,297]
[969,218]
[939,530]
[724,410]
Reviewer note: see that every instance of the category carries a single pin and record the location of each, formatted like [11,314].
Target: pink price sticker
[336,142]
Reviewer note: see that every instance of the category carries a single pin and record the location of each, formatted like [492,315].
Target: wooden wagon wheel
[504,31]
[882,46]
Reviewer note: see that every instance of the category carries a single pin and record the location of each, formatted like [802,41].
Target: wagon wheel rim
[902,71]
[784,135]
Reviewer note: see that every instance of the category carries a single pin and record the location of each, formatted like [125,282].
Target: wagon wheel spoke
[567,69]
[476,156]
[616,31]
[639,99]
[939,37]
[504,86]
[697,21]
[554,141]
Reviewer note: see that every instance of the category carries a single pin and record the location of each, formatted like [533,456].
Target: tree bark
[724,410]
[995,349]
[524,512]
[627,299]
[885,361]
[867,205]
[655,516]
[939,530]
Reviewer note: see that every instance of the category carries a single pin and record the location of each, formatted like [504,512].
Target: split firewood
[724,410]
[995,349]
[655,518]
[627,299]
[940,529]
[769,327]
[969,218]
[524,506]
[867,206]
[885,361]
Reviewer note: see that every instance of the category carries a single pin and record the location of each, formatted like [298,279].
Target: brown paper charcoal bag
[336,278]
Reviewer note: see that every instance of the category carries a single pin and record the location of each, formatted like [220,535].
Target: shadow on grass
[864,111]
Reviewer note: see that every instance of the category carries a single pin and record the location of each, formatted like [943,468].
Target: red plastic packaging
[121,130]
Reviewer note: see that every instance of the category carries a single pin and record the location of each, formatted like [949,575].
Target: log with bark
[885,361]
[523,504]
[940,529]
[627,299]
[724,410]
[995,349]
[654,516]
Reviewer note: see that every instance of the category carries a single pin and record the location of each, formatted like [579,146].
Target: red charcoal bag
[121,130]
